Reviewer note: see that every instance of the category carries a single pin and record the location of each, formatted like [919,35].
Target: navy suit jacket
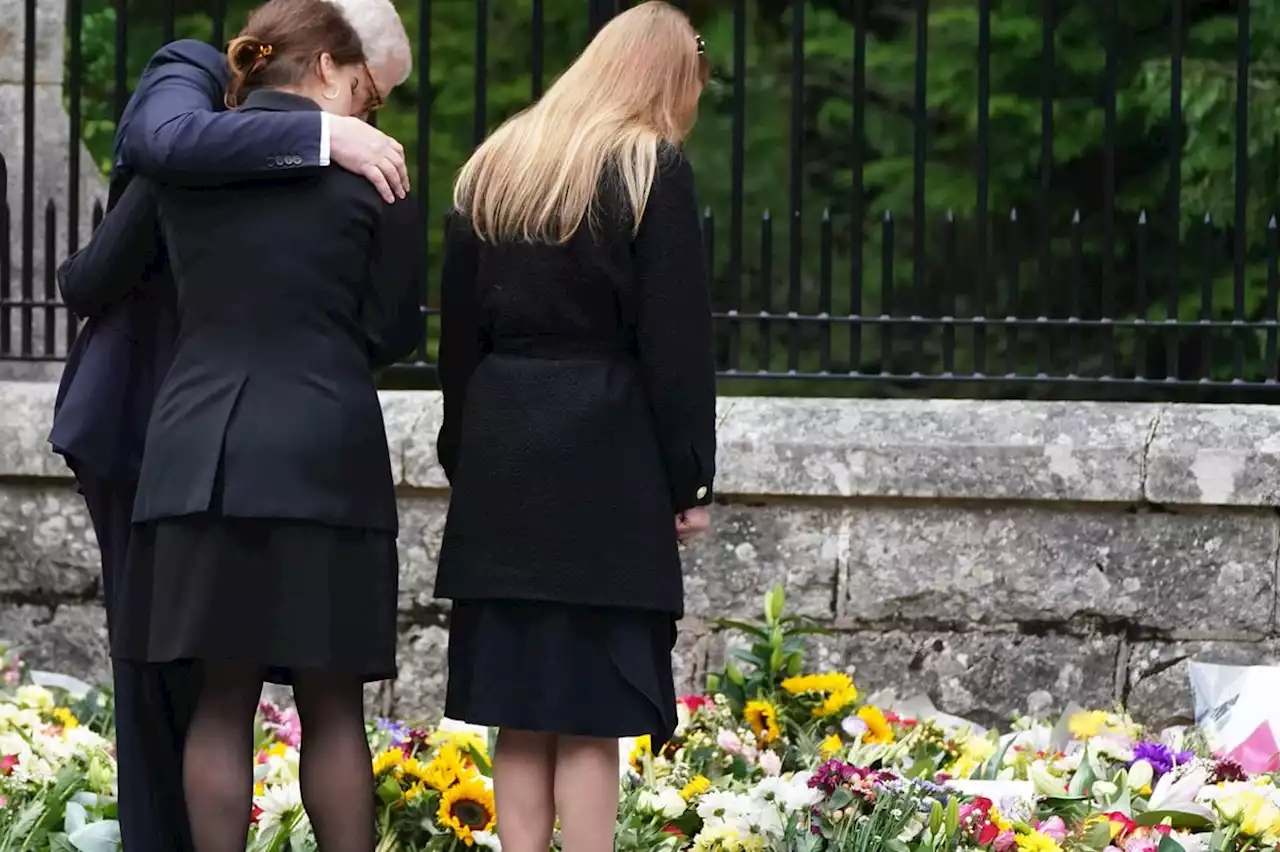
[174,129]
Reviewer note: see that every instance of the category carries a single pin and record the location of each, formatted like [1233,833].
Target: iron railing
[1071,288]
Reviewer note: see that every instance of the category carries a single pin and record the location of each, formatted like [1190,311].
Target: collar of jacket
[274,99]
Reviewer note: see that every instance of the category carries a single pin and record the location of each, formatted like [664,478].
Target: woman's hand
[691,522]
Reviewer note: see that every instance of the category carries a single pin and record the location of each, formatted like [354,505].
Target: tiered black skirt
[562,669]
[279,594]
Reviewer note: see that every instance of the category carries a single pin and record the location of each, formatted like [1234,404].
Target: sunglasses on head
[701,45]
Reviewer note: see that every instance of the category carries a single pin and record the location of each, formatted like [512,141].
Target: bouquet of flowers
[774,758]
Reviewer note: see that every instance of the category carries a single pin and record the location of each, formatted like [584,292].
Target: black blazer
[116,363]
[579,405]
[290,293]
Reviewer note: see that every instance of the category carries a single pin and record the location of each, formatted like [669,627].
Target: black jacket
[290,292]
[579,394]
[169,128]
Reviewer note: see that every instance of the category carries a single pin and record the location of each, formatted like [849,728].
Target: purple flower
[1160,756]
[397,732]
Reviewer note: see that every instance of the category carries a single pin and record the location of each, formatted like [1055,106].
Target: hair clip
[264,50]
[702,45]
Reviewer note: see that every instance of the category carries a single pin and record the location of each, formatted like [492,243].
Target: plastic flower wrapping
[774,758]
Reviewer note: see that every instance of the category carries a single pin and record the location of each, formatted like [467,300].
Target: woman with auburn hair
[579,424]
[265,523]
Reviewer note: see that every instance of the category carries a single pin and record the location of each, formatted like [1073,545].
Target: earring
[336,90]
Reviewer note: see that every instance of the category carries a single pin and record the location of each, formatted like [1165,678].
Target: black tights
[337,779]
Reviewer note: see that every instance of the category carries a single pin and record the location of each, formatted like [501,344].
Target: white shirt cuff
[324,138]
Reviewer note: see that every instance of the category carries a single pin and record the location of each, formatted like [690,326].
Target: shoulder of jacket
[189,51]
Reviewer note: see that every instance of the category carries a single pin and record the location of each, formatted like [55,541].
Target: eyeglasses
[373,101]
[702,45]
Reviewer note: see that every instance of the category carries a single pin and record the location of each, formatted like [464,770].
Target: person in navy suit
[175,129]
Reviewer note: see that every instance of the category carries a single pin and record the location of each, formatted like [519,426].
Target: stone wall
[1000,556]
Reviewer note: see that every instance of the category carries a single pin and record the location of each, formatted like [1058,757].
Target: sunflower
[878,728]
[466,808]
[388,762]
[763,718]
[830,746]
[447,768]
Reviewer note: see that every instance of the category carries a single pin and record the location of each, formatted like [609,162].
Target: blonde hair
[537,177]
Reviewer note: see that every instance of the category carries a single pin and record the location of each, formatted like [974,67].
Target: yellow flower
[447,768]
[466,808]
[763,718]
[999,820]
[724,837]
[1087,723]
[1037,842]
[463,741]
[643,748]
[276,749]
[65,717]
[836,688]
[696,787]
[830,746]
[415,790]
[259,789]
[829,682]
[388,762]
[878,728]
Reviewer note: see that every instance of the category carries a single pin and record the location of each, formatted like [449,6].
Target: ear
[327,70]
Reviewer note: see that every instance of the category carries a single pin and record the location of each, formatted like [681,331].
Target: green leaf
[742,627]
[841,798]
[1179,819]
[1168,844]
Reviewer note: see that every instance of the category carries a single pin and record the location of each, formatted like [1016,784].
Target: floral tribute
[775,758]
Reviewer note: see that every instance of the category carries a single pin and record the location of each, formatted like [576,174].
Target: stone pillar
[50,162]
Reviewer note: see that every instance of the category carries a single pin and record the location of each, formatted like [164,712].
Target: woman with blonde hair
[579,424]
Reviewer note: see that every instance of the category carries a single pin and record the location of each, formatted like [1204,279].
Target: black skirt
[562,669]
[279,594]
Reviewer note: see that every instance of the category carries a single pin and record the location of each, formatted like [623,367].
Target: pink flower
[7,764]
[1005,841]
[770,763]
[1140,843]
[729,742]
[289,731]
[1054,828]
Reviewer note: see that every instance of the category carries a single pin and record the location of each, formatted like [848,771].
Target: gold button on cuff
[702,492]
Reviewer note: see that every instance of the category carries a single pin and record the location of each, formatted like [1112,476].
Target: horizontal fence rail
[1005,198]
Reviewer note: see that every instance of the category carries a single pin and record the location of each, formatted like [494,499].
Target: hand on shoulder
[365,150]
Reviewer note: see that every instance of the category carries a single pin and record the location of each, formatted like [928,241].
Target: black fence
[1022,198]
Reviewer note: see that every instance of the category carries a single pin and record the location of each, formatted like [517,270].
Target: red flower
[254,815]
[988,834]
[7,763]
[1126,825]
[694,703]
[983,804]
[674,830]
